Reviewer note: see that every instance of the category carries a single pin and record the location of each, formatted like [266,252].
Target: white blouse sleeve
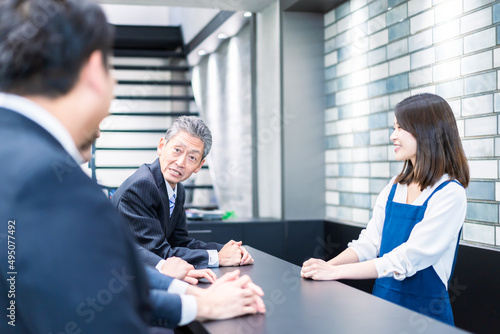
[436,234]
[367,246]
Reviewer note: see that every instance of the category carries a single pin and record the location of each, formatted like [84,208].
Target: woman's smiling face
[405,145]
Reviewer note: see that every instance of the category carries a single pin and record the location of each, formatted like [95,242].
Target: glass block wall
[379,52]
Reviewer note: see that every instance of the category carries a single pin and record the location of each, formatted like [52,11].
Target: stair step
[137,131]
[117,167]
[201,207]
[149,67]
[186,186]
[125,148]
[194,186]
[156,82]
[159,114]
[156,98]
[130,167]
[148,53]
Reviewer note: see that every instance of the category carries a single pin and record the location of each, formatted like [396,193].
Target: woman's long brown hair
[430,120]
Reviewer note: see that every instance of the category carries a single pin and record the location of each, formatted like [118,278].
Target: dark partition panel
[293,241]
[304,239]
[268,236]
[474,293]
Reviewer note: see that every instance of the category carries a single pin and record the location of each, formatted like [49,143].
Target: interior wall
[222,89]
[192,20]
[303,116]
[379,52]
[268,141]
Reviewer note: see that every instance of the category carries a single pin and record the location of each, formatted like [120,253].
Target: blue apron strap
[441,186]
[455,258]
[393,191]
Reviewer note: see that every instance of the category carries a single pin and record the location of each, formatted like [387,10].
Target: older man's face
[180,157]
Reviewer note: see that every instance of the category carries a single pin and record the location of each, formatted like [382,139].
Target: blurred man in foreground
[76,268]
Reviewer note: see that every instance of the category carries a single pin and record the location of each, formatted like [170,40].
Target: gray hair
[195,127]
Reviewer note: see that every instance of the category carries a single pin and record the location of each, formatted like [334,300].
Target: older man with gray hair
[152,201]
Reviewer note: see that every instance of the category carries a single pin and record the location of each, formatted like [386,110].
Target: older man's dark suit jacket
[77,268]
[143,201]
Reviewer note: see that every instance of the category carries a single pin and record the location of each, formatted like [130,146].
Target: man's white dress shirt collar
[170,191]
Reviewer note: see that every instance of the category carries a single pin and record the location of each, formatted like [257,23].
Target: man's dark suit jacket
[77,268]
[143,201]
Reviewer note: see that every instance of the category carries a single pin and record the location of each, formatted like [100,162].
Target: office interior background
[299,95]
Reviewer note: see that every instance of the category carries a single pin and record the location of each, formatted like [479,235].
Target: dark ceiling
[315,6]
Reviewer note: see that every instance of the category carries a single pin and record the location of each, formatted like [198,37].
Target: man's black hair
[45,43]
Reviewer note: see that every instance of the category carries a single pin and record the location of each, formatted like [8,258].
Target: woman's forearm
[347,256]
[359,270]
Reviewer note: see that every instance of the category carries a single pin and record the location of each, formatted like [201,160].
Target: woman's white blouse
[432,242]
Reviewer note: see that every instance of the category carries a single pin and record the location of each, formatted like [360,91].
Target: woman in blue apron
[410,243]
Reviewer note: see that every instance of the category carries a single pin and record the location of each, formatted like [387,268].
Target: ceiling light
[202,53]
[247,14]
[221,36]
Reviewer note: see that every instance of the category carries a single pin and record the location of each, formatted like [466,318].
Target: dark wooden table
[297,305]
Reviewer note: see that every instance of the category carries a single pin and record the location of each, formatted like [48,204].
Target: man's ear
[161,145]
[94,73]
[199,167]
